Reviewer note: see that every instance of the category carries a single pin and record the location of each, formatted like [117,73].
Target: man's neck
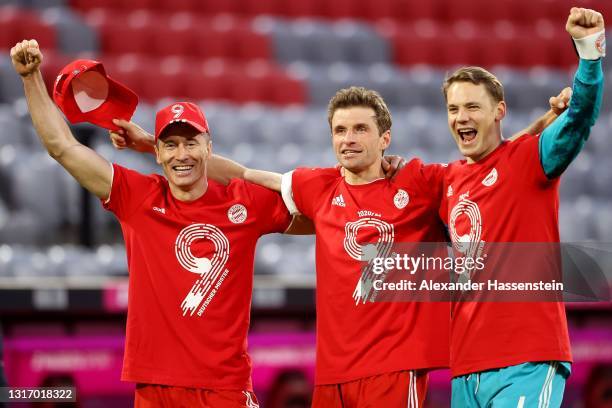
[190,194]
[475,159]
[366,176]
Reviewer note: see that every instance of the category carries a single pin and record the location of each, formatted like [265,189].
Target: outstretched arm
[220,169]
[90,169]
[561,142]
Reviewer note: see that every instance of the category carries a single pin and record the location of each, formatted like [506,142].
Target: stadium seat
[418,46]
[209,80]
[11,133]
[213,43]
[86,5]
[381,9]
[302,8]
[19,24]
[251,45]
[184,6]
[267,7]
[169,40]
[339,9]
[74,36]
[128,69]
[412,10]
[288,91]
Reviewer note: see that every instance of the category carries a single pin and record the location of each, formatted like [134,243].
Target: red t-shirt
[357,339]
[506,197]
[190,278]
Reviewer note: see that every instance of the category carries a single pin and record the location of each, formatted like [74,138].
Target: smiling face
[183,153]
[474,119]
[357,142]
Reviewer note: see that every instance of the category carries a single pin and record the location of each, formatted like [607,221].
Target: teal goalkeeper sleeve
[561,142]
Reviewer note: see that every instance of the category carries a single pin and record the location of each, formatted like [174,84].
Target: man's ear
[500,111]
[385,140]
[157,159]
[210,149]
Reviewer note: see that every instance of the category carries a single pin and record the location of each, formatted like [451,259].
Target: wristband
[592,46]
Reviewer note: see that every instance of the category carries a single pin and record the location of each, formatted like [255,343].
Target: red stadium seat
[119,39]
[94,4]
[256,7]
[339,9]
[208,81]
[411,10]
[532,49]
[128,69]
[288,91]
[18,24]
[188,6]
[250,84]
[212,7]
[52,66]
[137,5]
[482,11]
[213,43]
[302,8]
[419,44]
[166,40]
[377,10]
[165,80]
[251,45]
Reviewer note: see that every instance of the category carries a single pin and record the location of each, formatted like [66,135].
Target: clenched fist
[583,22]
[26,57]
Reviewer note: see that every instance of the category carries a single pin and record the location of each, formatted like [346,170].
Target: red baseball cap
[85,93]
[180,112]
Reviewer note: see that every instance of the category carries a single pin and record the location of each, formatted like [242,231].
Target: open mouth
[182,170]
[467,135]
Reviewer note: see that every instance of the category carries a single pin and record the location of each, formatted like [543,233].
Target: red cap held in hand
[85,93]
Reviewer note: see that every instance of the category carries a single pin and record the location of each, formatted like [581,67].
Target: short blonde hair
[476,76]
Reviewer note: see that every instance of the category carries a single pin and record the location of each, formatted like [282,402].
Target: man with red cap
[190,246]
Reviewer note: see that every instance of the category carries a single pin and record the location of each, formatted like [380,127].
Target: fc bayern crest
[401,199]
[600,44]
[237,213]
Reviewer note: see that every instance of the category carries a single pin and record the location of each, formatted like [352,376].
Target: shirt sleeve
[561,142]
[128,191]
[306,185]
[272,214]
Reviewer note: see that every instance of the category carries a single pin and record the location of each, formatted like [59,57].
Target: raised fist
[26,57]
[583,22]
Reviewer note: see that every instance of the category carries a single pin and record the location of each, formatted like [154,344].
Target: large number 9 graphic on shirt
[210,270]
[470,244]
[384,243]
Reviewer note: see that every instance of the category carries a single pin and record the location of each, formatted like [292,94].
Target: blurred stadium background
[263,70]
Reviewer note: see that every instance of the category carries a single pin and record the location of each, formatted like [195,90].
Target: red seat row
[466,43]
[178,34]
[403,10]
[193,79]
[19,24]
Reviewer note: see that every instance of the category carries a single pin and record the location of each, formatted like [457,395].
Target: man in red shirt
[511,353]
[367,352]
[190,245]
